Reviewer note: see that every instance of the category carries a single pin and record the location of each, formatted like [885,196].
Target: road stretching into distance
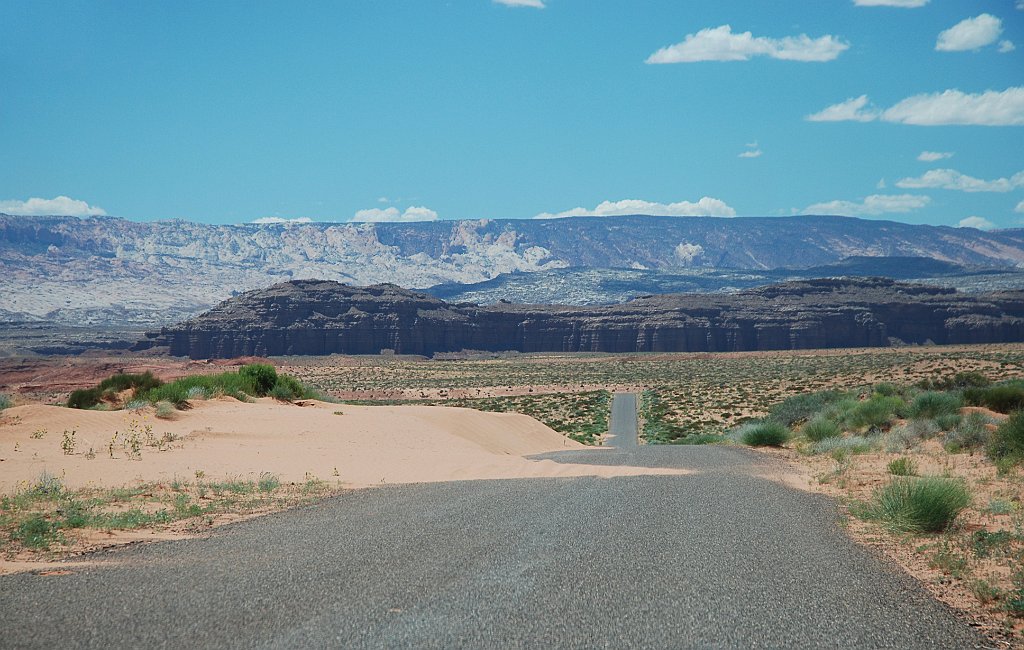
[719,557]
[622,432]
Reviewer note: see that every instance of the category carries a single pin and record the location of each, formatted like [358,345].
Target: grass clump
[801,408]
[821,428]
[920,505]
[933,404]
[164,410]
[1002,398]
[969,434]
[763,434]
[903,467]
[845,446]
[875,412]
[1006,443]
[5,402]
[252,380]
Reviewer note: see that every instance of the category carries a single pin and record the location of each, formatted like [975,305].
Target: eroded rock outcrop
[314,317]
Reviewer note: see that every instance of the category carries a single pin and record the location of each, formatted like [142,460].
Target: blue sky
[227,112]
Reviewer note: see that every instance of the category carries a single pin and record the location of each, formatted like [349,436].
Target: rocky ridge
[312,317]
[105,270]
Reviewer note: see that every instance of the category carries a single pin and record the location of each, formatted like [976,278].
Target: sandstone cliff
[323,317]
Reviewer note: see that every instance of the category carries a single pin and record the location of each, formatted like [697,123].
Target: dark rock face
[318,317]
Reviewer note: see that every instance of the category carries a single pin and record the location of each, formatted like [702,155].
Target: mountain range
[107,270]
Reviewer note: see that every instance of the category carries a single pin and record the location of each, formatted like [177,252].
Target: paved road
[717,558]
[622,431]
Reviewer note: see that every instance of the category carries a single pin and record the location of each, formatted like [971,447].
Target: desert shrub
[268,482]
[136,405]
[262,375]
[948,421]
[287,388]
[164,409]
[140,383]
[85,398]
[198,393]
[920,505]
[874,412]
[932,404]
[1002,398]
[820,428]
[847,445]
[763,434]
[800,408]
[1006,443]
[970,433]
[5,401]
[902,467]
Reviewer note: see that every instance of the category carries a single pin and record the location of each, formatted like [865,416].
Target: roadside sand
[227,439]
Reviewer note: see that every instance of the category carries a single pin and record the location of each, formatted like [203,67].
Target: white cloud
[265,220]
[932,156]
[951,179]
[981,223]
[951,107]
[852,109]
[751,153]
[909,4]
[1020,207]
[1006,46]
[871,205]
[970,34]
[880,184]
[536,4]
[59,206]
[377,215]
[705,207]
[686,252]
[721,44]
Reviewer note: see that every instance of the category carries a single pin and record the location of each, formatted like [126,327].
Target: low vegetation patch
[251,380]
[920,505]
[763,434]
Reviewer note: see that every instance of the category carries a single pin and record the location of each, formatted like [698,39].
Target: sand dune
[225,438]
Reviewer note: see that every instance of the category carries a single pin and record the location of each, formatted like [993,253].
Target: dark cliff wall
[318,317]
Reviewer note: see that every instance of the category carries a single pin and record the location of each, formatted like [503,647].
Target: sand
[224,439]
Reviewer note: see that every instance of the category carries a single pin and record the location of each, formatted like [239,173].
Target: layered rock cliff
[314,317]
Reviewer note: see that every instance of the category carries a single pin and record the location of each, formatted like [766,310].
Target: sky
[393,110]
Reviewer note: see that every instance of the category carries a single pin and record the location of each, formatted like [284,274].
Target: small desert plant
[1006,444]
[970,433]
[845,446]
[67,442]
[903,467]
[948,421]
[821,428]
[268,482]
[5,401]
[763,434]
[136,405]
[920,505]
[932,404]
[197,393]
[164,409]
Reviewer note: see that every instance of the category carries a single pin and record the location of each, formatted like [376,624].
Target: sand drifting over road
[220,439]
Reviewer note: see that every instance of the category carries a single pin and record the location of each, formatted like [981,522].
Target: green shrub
[821,428]
[269,482]
[5,402]
[262,375]
[970,433]
[932,404]
[874,412]
[948,421]
[970,379]
[800,408]
[287,388]
[920,505]
[903,467]
[764,434]
[84,398]
[141,383]
[1002,398]
[1006,443]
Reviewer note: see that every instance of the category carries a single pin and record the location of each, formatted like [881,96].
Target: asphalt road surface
[622,431]
[716,558]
